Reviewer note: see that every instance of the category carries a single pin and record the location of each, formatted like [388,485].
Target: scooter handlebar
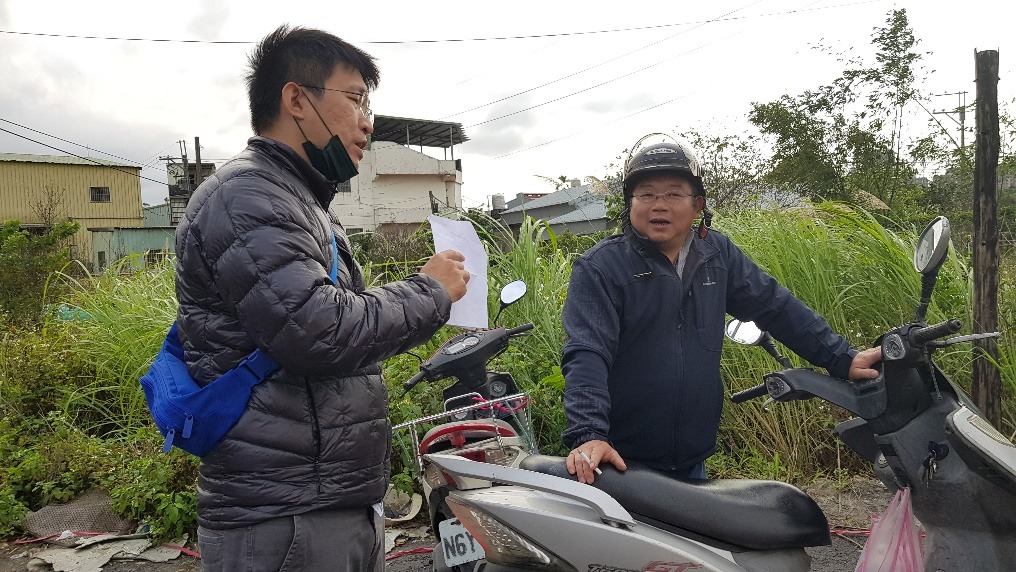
[924,335]
[411,382]
[512,332]
[752,393]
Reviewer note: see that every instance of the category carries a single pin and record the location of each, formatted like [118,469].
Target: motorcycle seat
[727,513]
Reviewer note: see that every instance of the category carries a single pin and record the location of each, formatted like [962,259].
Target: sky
[543,89]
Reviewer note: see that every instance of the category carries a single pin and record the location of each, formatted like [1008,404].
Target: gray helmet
[663,158]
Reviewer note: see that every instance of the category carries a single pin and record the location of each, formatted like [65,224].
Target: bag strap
[334,274]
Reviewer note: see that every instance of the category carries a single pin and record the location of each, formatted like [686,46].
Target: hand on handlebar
[861,368]
[597,451]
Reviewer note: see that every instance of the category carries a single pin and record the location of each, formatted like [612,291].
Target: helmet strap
[705,222]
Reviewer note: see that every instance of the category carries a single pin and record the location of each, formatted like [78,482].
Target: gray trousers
[323,540]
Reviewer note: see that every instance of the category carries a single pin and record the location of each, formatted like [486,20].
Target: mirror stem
[767,343]
[927,287]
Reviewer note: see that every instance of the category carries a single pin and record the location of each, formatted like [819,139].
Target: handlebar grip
[519,329]
[924,335]
[411,382]
[752,393]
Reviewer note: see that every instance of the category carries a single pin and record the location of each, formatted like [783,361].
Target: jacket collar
[322,189]
[701,250]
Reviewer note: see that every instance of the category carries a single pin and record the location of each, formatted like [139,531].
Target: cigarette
[590,461]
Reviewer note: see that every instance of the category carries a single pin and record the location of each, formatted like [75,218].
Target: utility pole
[961,110]
[197,158]
[185,186]
[986,388]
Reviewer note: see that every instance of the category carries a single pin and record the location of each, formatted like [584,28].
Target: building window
[154,256]
[99,194]
[344,187]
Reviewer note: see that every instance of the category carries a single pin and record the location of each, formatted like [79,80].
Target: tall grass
[128,314]
[839,261]
[858,275]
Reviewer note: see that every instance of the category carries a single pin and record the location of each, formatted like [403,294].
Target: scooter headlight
[502,544]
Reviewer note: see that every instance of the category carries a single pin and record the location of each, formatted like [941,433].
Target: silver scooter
[915,425]
[484,418]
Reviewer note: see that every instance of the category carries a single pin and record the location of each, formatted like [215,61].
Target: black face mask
[333,161]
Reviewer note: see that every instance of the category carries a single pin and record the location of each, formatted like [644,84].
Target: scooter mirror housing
[512,292]
[746,333]
[932,246]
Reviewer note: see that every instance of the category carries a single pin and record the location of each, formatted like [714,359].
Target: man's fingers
[453,255]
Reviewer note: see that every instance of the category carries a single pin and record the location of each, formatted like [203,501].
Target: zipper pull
[168,443]
[188,425]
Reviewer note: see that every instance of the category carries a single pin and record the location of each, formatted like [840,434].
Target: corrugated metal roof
[590,211]
[558,197]
[62,160]
[424,132]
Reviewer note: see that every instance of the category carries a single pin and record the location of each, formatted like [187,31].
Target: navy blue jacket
[642,358]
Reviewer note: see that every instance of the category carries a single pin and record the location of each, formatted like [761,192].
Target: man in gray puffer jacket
[296,482]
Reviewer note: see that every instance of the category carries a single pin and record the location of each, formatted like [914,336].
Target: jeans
[323,540]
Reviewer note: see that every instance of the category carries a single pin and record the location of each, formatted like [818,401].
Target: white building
[399,185]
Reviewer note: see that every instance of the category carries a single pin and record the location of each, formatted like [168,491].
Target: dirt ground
[848,504]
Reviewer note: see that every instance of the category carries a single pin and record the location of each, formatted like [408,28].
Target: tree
[26,262]
[845,140]
[950,191]
[49,208]
[559,183]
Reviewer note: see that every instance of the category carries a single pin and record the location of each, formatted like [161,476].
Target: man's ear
[700,203]
[292,101]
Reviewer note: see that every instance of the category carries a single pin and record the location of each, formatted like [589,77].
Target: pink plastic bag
[895,542]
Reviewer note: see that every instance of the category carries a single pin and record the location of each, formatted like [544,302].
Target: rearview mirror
[746,333]
[932,246]
[512,292]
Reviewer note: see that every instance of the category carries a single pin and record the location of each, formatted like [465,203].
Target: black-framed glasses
[647,198]
[362,101]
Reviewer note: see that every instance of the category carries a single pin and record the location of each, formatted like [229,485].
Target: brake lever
[961,339]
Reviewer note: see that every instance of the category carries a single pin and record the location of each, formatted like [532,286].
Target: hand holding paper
[447,267]
[460,236]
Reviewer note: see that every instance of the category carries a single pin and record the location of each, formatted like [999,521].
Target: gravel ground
[848,505]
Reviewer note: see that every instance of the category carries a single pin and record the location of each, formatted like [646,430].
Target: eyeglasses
[362,99]
[647,198]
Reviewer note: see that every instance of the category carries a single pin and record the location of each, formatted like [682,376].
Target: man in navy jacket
[644,319]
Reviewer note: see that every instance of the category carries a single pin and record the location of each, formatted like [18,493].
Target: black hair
[305,56]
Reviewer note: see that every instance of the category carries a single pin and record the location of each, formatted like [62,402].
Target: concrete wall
[112,244]
[394,187]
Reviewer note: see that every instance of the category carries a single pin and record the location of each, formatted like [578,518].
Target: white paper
[459,235]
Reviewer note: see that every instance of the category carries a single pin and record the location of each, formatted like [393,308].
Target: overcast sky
[586,81]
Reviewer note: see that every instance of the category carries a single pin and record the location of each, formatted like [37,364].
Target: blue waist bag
[196,418]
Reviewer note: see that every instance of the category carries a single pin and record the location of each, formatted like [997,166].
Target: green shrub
[26,262]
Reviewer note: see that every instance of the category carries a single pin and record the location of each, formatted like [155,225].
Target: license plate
[457,544]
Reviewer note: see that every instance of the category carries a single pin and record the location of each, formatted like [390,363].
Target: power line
[445,40]
[66,141]
[592,87]
[600,125]
[138,175]
[720,18]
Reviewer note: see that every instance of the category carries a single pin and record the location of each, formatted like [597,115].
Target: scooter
[485,418]
[913,423]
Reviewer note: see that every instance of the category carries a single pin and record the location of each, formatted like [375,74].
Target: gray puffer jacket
[253,258]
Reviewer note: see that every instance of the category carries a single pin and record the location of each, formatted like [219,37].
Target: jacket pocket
[708,292]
